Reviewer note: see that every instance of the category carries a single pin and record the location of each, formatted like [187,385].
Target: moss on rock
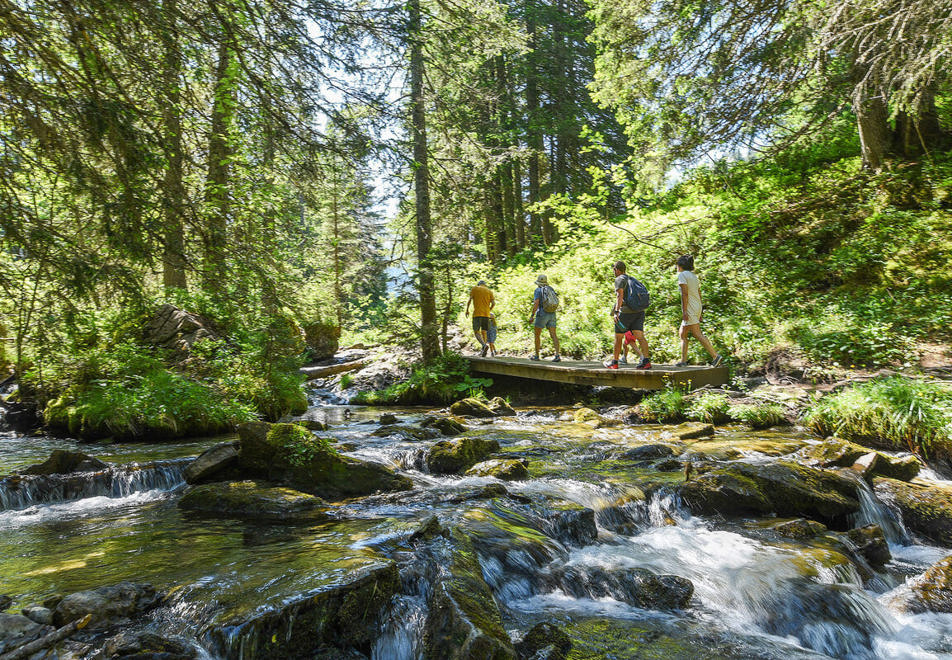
[455,456]
[249,499]
[926,509]
[508,469]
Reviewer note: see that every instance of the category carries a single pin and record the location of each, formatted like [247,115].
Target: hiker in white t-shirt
[691,311]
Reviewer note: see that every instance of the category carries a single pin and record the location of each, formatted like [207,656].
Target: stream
[755,595]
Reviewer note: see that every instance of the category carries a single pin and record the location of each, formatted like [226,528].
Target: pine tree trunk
[429,340]
[173,191]
[217,181]
[519,212]
[533,134]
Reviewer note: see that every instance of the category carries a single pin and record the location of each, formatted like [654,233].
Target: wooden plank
[329,370]
[593,373]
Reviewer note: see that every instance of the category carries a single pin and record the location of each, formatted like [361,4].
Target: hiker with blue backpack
[631,301]
[545,302]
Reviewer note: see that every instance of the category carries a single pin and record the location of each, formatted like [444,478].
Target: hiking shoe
[535,357]
[492,353]
[556,359]
[683,364]
[644,364]
[716,362]
[622,360]
[610,364]
[483,352]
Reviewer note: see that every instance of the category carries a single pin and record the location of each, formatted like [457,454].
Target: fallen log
[323,372]
[25,651]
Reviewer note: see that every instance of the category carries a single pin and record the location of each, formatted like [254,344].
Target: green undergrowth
[709,407]
[894,412]
[297,444]
[442,381]
[804,250]
[758,415]
[100,380]
[672,405]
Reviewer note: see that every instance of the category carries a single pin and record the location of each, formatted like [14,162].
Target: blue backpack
[637,297]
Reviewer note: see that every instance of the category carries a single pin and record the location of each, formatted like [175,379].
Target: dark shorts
[633,322]
[480,323]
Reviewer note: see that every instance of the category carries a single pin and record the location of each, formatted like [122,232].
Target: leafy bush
[708,407]
[758,415]
[442,381]
[297,444]
[664,406]
[893,412]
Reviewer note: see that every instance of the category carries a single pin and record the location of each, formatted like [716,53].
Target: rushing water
[754,595]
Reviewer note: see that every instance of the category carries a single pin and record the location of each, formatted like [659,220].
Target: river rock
[635,586]
[428,530]
[406,431]
[5,602]
[16,630]
[929,592]
[322,339]
[783,488]
[219,460]
[109,606]
[926,509]
[646,452]
[470,407]
[65,462]
[871,543]
[801,528]
[464,621]
[177,330]
[311,424]
[388,419]
[455,456]
[147,645]
[292,456]
[545,640]
[903,468]
[832,453]
[249,499]
[345,615]
[22,416]
[507,469]
[586,416]
[39,614]
[501,407]
[444,425]
[572,524]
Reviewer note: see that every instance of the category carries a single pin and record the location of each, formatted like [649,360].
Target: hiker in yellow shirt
[481,297]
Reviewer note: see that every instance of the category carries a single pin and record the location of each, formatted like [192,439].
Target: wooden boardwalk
[593,373]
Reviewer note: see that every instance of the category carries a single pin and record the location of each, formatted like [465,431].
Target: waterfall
[23,491]
[874,512]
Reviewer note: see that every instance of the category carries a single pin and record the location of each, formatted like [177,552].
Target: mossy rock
[926,509]
[464,622]
[406,431]
[832,453]
[456,456]
[214,464]
[692,431]
[62,461]
[783,488]
[444,425]
[586,416]
[870,542]
[501,407]
[250,499]
[546,639]
[635,586]
[291,455]
[800,528]
[903,468]
[929,592]
[507,469]
[470,407]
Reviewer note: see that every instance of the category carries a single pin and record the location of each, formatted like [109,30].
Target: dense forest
[233,159]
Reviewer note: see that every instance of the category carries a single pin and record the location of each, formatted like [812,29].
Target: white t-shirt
[690,281]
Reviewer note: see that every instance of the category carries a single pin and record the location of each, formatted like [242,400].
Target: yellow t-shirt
[482,298]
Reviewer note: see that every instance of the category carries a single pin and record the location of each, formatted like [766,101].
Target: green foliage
[665,406]
[895,412]
[444,380]
[758,415]
[710,407]
[297,444]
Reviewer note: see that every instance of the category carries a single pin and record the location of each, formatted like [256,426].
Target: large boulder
[784,488]
[444,425]
[870,542]
[215,463]
[323,339]
[249,499]
[470,407]
[177,330]
[407,431]
[929,592]
[926,509]
[507,469]
[635,586]
[64,462]
[832,453]
[455,456]
[291,455]
[110,606]
[501,407]
[464,622]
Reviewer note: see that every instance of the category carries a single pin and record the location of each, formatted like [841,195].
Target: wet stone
[444,425]
[64,462]
[5,602]
[142,644]
[507,469]
[647,452]
[545,640]
[832,453]
[407,431]
[471,407]
[692,431]
[387,419]
[926,509]
[501,407]
[455,456]
[871,543]
[249,499]
[929,592]
[218,460]
[428,530]
[635,586]
[109,606]
[586,416]
[39,614]
[800,528]
[16,630]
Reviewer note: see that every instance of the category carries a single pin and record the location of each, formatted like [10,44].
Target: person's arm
[535,307]
[468,302]
[684,301]
[492,301]
[619,301]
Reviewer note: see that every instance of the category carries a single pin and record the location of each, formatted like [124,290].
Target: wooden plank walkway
[593,373]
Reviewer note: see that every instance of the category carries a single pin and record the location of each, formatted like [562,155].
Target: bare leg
[538,339]
[642,342]
[619,338]
[683,334]
[705,342]
[555,340]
